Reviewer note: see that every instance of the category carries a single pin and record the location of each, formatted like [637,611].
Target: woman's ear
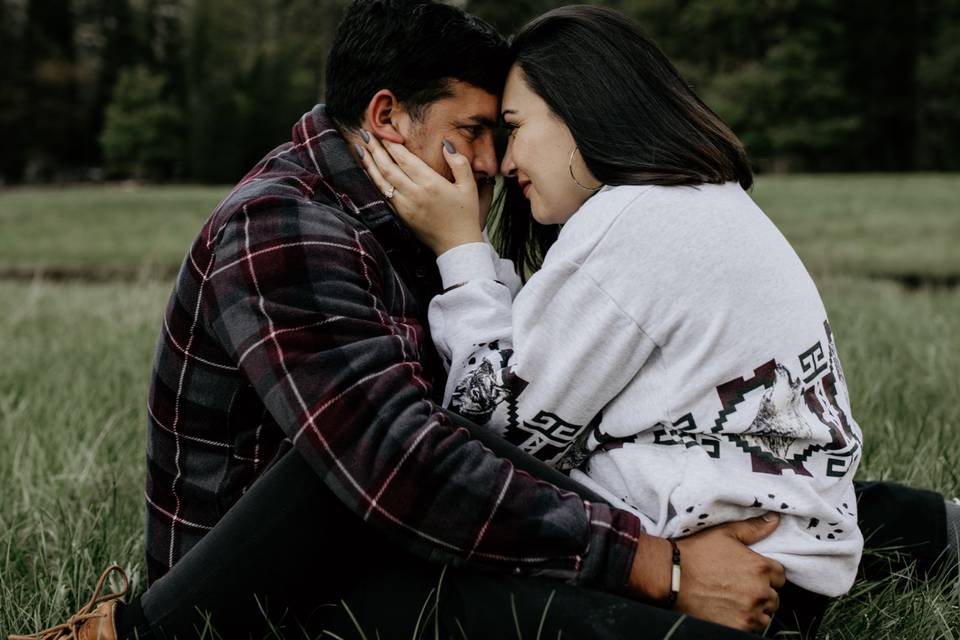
[383,115]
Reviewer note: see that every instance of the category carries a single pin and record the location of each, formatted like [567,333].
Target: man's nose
[508,167]
[485,157]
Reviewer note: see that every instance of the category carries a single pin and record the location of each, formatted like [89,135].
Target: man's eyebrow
[482,121]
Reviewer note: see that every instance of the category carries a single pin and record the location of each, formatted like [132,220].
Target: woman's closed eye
[511,127]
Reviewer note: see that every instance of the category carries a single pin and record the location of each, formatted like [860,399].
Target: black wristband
[674,575]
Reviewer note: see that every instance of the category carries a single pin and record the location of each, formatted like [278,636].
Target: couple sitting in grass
[657,422]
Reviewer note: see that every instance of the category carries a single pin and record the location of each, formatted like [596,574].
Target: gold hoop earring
[574,178]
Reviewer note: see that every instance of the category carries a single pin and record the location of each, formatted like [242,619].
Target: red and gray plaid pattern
[298,316]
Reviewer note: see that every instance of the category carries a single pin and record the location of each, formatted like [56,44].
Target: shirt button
[516,571]
[420,272]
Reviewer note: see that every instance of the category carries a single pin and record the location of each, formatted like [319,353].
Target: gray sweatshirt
[673,354]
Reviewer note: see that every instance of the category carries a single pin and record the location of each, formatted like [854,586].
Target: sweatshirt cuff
[466,262]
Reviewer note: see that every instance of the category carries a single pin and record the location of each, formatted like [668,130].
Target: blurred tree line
[201,89]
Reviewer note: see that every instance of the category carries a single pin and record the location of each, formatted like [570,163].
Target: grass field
[84,276]
[123,232]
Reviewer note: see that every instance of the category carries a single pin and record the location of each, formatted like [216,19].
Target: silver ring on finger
[389,192]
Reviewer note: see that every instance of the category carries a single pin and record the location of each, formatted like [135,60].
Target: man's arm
[298,298]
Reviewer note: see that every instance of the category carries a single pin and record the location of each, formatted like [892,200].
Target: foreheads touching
[416,71]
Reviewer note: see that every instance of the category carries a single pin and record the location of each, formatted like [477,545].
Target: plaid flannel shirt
[298,317]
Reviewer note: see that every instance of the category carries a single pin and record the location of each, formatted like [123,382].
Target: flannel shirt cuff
[613,543]
[466,262]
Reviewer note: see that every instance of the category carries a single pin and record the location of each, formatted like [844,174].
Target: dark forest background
[198,90]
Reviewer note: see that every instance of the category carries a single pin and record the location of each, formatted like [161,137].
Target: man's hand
[721,581]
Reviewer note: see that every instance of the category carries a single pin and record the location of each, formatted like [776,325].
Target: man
[296,456]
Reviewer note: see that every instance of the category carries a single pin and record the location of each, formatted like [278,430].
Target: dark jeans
[290,552]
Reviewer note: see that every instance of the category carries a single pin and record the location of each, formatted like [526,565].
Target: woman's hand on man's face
[441,213]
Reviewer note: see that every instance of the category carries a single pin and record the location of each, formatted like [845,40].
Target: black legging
[291,542]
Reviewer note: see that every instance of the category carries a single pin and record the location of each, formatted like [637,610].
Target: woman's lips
[526,189]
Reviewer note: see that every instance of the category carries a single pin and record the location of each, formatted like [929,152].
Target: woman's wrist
[466,262]
[441,246]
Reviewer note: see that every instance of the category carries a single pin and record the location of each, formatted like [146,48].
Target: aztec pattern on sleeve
[491,387]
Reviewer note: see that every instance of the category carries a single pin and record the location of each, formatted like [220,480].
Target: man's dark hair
[414,48]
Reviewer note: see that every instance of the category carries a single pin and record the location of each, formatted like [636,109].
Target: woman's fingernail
[449,146]
[359,150]
[364,135]
[769,516]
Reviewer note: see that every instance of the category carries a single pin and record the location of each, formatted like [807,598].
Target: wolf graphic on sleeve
[478,395]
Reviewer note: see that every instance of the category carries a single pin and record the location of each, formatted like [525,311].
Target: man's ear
[383,114]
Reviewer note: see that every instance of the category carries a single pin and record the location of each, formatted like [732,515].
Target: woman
[672,352]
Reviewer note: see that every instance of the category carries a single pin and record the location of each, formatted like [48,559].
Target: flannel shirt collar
[323,150]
